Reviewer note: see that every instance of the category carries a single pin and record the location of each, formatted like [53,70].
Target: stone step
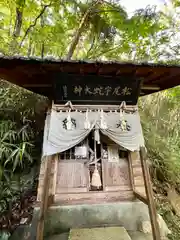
[104,233]
[136,235]
[139,235]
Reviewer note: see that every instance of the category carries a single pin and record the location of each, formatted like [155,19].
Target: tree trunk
[18,23]
[29,48]
[42,50]
[80,30]
[43,42]
[77,35]
[17,27]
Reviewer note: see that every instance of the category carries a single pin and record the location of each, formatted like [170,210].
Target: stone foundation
[126,214]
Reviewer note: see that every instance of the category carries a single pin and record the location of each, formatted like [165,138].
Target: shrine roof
[36,74]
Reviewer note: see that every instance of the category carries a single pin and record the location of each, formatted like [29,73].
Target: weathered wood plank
[118,188]
[139,181]
[137,173]
[41,178]
[71,175]
[149,194]
[141,189]
[117,174]
[131,175]
[94,197]
[135,158]
[54,182]
[141,197]
[45,198]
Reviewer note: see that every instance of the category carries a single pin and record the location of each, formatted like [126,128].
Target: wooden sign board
[95,90]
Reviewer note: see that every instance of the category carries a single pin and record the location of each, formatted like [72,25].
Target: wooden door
[116,175]
[72,177]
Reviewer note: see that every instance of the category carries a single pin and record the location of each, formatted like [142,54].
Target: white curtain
[58,139]
[132,139]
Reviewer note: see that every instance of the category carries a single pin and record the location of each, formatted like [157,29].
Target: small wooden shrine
[93,147]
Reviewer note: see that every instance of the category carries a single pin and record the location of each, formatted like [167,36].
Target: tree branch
[91,47]
[20,4]
[33,24]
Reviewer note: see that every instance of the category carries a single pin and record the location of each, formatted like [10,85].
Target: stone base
[63,218]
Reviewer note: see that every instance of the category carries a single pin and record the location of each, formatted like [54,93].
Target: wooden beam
[37,85]
[140,197]
[166,77]
[55,174]
[54,181]
[149,194]
[150,87]
[131,171]
[128,108]
[152,79]
[44,199]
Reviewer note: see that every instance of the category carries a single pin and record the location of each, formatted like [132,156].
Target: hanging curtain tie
[69,104]
[87,124]
[96,178]
[103,124]
[123,105]
[123,122]
[121,113]
[97,135]
[69,122]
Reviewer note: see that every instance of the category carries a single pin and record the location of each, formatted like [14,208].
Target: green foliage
[108,33]
[14,144]
[172,220]
[4,235]
[21,125]
[176,3]
[160,119]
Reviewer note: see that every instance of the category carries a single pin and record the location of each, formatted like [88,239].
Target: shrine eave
[36,74]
